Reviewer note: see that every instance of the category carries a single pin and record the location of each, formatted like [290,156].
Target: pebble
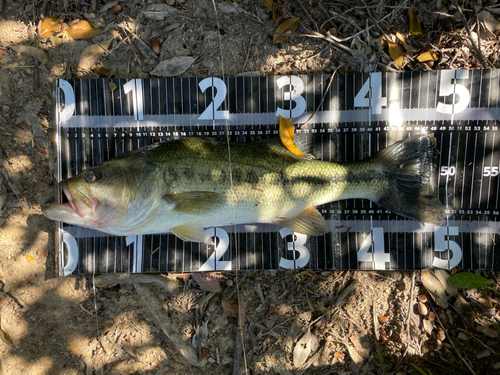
[483,354]
[422,309]
[496,365]
[211,360]
[463,336]
[229,282]
[440,335]
[443,317]
[422,298]
[431,316]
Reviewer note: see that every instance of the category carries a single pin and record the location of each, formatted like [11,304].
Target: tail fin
[409,165]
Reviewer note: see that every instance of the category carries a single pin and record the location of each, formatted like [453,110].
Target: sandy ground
[147,324]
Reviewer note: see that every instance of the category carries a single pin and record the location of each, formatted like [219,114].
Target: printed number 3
[293,95]
[447,88]
[297,245]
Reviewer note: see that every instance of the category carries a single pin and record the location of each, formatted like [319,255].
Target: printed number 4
[378,257]
[373,89]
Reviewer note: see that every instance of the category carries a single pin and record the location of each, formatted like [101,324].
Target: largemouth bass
[186,185]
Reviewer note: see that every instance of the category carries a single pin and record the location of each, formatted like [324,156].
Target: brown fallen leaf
[415,28]
[91,55]
[428,56]
[6,339]
[434,287]
[396,53]
[490,22]
[275,8]
[173,66]
[82,30]
[286,27]
[304,347]
[37,53]
[49,25]
[230,309]
[286,133]
[207,284]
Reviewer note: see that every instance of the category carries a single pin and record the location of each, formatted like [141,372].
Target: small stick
[198,336]
[306,12]
[248,54]
[346,292]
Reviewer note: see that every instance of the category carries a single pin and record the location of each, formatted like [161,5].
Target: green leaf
[467,280]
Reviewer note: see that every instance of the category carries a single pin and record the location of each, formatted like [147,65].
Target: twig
[306,12]
[477,51]
[408,317]
[248,54]
[494,352]
[346,292]
[198,337]
[238,350]
[451,342]
[324,96]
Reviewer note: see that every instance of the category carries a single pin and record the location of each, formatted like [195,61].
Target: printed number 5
[441,243]
[297,245]
[447,88]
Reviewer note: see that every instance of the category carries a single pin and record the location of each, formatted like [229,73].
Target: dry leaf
[30,257]
[91,55]
[160,11]
[286,135]
[428,56]
[305,346]
[112,86]
[415,28]
[49,25]
[228,7]
[488,20]
[230,309]
[82,30]
[174,66]
[275,8]
[6,339]
[396,53]
[32,51]
[207,284]
[338,355]
[443,276]
[434,287]
[286,27]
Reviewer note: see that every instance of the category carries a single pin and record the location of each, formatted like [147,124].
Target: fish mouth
[67,193]
[78,208]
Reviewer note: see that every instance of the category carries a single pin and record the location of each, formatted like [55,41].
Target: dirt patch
[66,325]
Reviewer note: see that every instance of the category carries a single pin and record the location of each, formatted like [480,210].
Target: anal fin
[309,222]
[192,232]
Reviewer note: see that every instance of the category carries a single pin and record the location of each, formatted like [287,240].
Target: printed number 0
[212,112]
[447,88]
[297,245]
[441,243]
[296,88]
[214,261]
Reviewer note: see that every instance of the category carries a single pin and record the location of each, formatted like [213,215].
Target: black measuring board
[361,114]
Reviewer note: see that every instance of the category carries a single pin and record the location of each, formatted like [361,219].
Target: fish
[186,185]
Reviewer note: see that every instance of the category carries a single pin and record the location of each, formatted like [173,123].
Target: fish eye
[92,176]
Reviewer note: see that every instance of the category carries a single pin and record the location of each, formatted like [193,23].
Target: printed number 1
[134,86]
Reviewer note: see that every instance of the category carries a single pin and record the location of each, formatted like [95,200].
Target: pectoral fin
[192,232]
[309,222]
[193,201]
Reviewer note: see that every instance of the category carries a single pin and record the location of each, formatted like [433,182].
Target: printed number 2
[375,100]
[293,95]
[378,257]
[214,261]
[212,112]
[441,243]
[297,245]
[447,88]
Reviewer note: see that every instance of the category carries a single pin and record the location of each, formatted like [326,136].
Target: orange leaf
[415,28]
[30,257]
[49,25]
[286,135]
[428,56]
[286,27]
[230,309]
[396,53]
[83,30]
[338,355]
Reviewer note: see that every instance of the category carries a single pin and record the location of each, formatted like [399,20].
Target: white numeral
[448,171]
[447,88]
[490,171]
[378,256]
[72,248]
[137,241]
[135,87]
[69,100]
[442,243]
[373,89]
[296,88]
[214,261]
[212,112]
[297,245]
